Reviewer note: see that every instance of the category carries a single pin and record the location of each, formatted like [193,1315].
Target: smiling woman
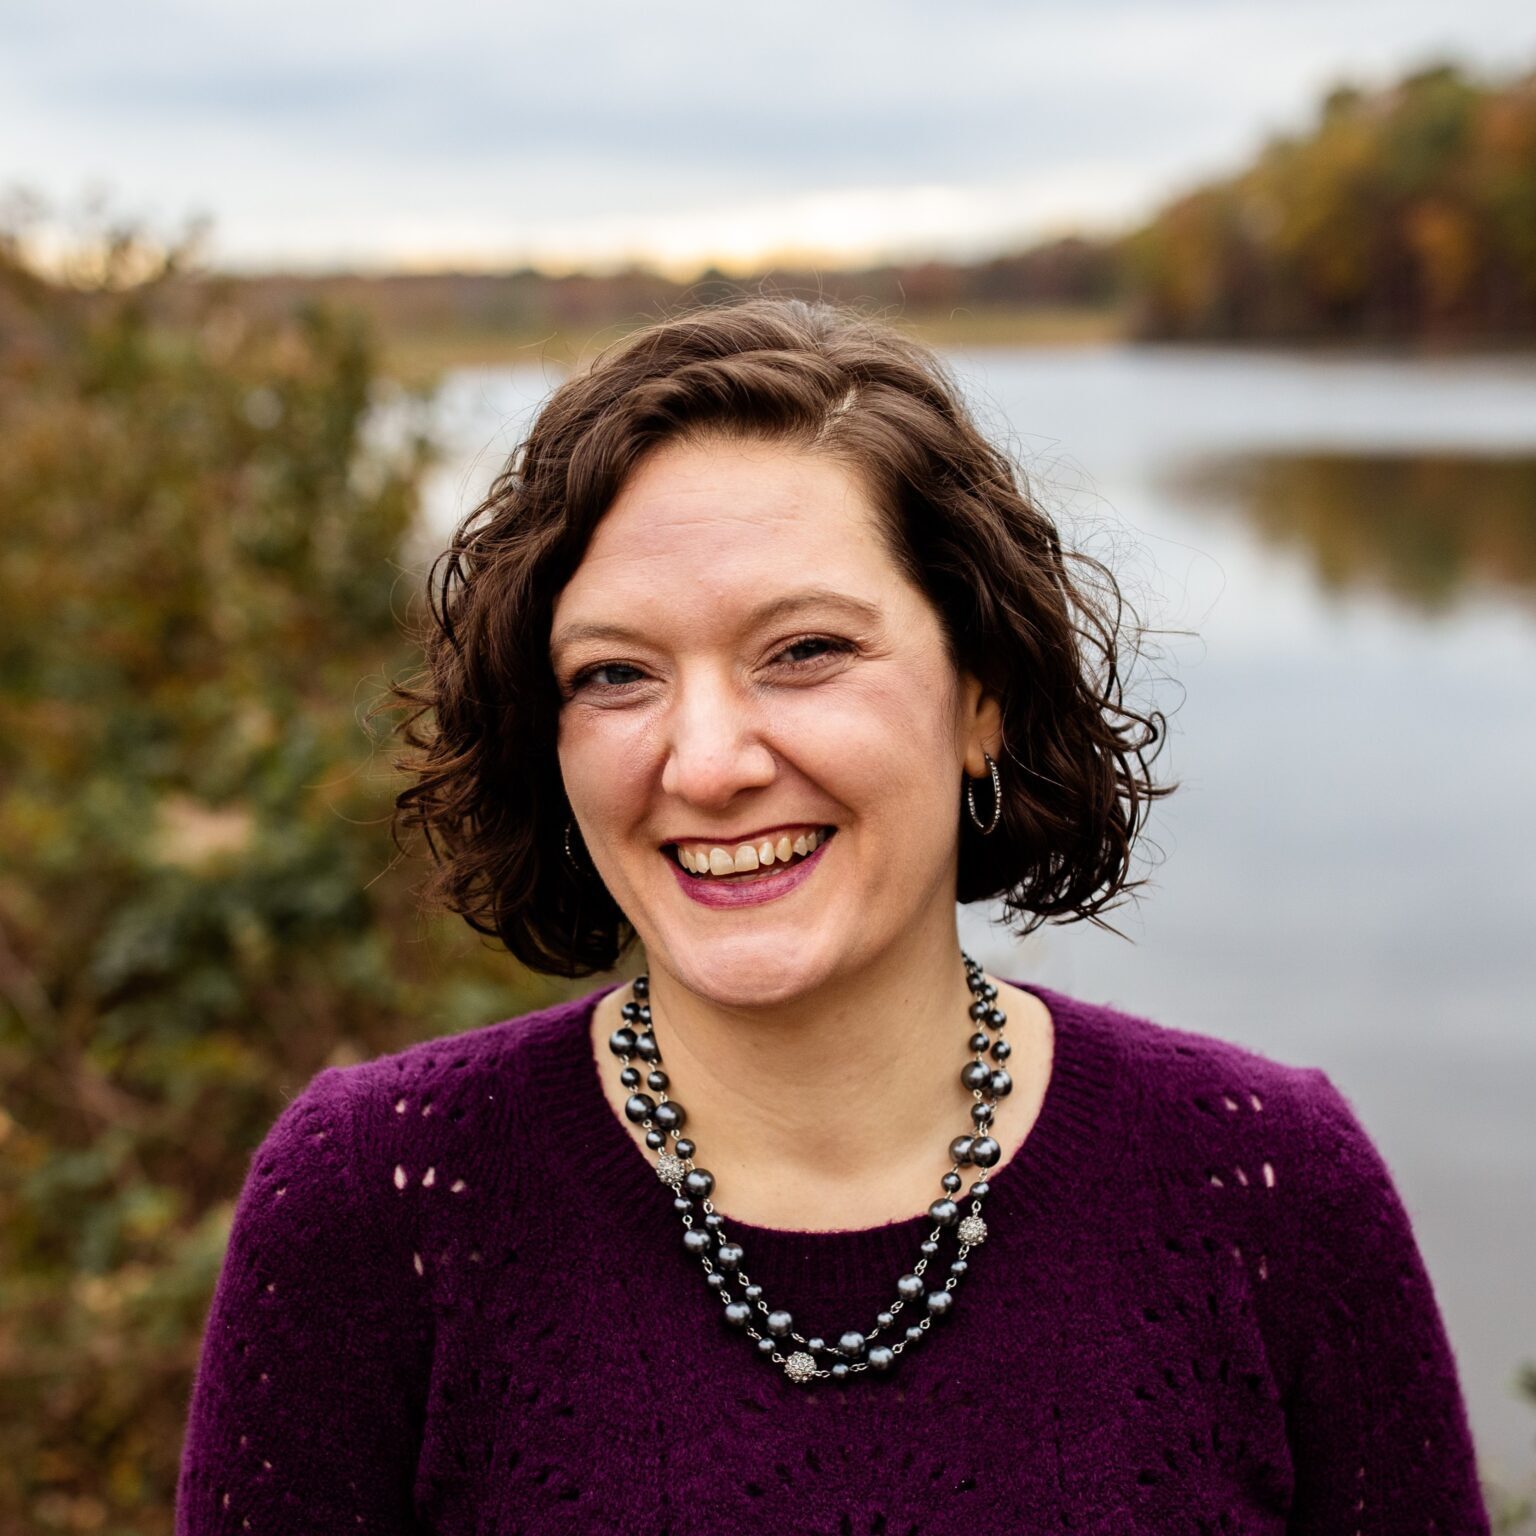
[759,655]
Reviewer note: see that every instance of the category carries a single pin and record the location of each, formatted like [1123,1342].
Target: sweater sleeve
[304,1413]
[1378,1430]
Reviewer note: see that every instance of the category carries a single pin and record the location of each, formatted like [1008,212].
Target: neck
[833,1099]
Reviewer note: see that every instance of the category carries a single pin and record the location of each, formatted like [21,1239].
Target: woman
[759,653]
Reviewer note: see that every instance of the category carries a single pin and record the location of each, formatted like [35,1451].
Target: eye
[833,647]
[592,676]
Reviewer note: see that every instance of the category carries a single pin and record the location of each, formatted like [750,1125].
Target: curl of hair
[479,719]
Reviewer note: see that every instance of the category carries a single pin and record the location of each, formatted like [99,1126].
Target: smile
[752,886]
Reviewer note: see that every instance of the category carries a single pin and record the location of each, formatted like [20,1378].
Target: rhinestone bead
[669,1169]
[800,1366]
[972,1230]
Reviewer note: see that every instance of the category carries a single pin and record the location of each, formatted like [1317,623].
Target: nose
[714,746]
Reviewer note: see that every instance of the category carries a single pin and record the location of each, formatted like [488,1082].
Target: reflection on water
[1431,530]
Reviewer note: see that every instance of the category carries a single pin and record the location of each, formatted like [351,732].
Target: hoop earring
[997,799]
[582,870]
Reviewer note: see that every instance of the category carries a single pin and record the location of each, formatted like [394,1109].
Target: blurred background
[1249,291]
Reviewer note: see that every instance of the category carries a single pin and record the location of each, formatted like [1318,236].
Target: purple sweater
[456,1300]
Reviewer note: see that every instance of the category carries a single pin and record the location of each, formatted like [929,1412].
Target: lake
[1338,556]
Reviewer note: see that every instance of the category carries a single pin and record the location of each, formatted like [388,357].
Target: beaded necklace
[691,1186]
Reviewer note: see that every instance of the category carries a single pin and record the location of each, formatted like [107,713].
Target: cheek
[604,760]
[883,733]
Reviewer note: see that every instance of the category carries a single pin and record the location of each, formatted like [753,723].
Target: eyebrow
[764,613]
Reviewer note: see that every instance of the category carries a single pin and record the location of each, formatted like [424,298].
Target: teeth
[701,860]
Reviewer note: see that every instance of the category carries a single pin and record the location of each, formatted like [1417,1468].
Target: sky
[317,134]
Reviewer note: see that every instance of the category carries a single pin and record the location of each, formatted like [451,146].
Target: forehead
[723,513]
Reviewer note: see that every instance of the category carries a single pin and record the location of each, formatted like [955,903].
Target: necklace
[743,1304]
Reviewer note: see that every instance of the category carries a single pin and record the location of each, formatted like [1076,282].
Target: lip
[719,893]
[736,839]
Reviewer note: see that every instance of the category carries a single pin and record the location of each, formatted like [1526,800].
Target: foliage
[1406,212]
[198,902]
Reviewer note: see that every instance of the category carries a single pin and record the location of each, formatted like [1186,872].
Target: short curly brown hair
[480,718]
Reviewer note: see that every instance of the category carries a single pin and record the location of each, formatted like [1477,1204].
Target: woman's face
[742,662]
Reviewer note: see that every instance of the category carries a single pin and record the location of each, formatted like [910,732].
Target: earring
[997,799]
[570,853]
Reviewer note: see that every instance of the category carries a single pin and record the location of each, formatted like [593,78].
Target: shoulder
[1208,1086]
[444,1078]
[448,1113]
[1208,1113]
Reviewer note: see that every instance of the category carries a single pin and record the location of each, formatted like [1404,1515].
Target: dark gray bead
[884,1320]
[928,1247]
[753,1292]
[840,1371]
[738,1314]
[714,1221]
[641,985]
[960,1150]
[980,1008]
[638,1107]
[630,1077]
[729,1256]
[980,1113]
[851,1343]
[779,1323]
[655,1140]
[767,1346]
[682,1204]
[978,1041]
[696,1241]
[981,1189]
[1001,1050]
[997,1018]
[815,1345]
[959,1267]
[989,990]
[909,1287]
[622,1042]
[914,1334]
[684,1148]
[715,1280]
[646,1048]
[939,1302]
[945,1212]
[698,1182]
[951,1182]
[985,1152]
[881,1358]
[975,1074]
[630,1012]
[670,1115]
[657,1080]
[1001,1085]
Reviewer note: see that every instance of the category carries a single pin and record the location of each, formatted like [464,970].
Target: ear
[981,724]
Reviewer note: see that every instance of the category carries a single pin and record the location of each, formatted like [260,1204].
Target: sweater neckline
[1073,1144]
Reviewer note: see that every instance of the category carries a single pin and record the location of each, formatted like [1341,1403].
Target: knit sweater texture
[456,1301]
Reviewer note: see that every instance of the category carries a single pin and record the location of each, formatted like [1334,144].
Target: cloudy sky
[584,132]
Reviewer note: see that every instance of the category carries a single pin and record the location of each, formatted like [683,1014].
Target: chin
[753,971]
